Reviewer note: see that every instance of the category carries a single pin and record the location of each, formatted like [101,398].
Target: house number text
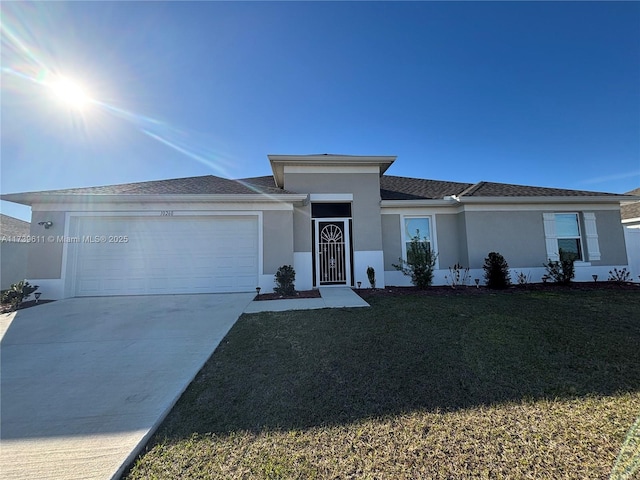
[166,213]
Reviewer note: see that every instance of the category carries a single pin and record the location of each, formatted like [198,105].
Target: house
[330,216]
[630,212]
[14,234]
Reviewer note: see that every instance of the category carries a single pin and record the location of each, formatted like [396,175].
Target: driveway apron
[85,381]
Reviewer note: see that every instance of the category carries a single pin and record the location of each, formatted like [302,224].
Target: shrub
[285,278]
[458,275]
[420,262]
[562,271]
[496,271]
[18,293]
[371,275]
[619,276]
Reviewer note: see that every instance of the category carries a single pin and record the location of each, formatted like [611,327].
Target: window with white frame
[562,230]
[416,227]
[568,234]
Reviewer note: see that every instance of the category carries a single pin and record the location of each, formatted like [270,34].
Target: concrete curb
[331,297]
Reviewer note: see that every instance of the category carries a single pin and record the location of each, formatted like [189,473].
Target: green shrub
[18,293]
[371,275]
[562,271]
[496,271]
[285,279]
[420,263]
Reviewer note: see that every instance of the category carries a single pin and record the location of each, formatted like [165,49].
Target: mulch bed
[366,293]
[277,296]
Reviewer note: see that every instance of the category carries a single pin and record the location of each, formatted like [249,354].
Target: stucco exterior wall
[302,229]
[463,247]
[13,263]
[365,187]
[517,235]
[277,240]
[45,257]
[610,238]
[391,241]
[448,240]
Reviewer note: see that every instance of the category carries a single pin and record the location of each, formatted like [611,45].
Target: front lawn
[541,384]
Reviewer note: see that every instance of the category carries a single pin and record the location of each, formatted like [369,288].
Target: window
[568,234]
[331,210]
[562,231]
[416,226]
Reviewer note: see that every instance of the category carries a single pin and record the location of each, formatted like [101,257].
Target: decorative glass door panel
[332,256]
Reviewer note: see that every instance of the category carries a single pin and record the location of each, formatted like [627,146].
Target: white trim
[303,265]
[583,273]
[154,208]
[543,207]
[368,258]
[631,220]
[433,237]
[444,206]
[550,199]
[591,232]
[53,198]
[331,197]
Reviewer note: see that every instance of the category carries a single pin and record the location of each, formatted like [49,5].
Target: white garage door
[165,255]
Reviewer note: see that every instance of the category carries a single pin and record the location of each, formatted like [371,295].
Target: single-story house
[14,234]
[630,212]
[329,216]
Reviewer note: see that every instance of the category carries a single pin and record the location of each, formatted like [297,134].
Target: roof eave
[550,199]
[423,202]
[30,198]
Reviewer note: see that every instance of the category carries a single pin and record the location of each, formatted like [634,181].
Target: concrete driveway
[85,381]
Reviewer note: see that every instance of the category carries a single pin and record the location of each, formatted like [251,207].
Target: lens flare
[70,93]
[26,60]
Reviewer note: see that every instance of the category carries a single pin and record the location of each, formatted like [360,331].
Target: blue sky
[541,93]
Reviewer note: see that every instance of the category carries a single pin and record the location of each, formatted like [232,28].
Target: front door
[333,262]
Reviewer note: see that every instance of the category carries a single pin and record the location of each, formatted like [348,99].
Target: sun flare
[70,93]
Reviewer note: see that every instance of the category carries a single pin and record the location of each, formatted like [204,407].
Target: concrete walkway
[331,297]
[85,381]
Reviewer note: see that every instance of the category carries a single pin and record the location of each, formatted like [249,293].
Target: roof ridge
[470,190]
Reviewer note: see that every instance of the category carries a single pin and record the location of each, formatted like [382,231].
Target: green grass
[525,385]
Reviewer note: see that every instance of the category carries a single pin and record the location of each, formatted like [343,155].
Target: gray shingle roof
[203,185]
[13,227]
[491,189]
[391,188]
[631,210]
[405,188]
